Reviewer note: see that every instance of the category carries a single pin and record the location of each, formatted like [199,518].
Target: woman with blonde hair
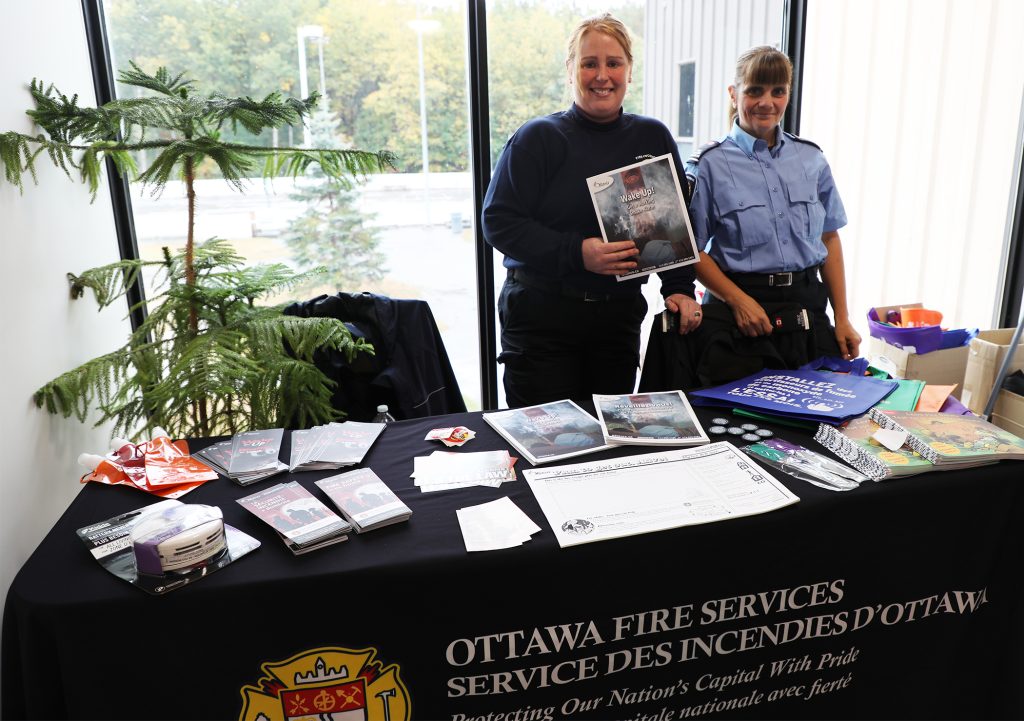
[568,328]
[766,214]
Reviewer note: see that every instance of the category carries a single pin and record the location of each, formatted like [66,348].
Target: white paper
[497,524]
[893,440]
[446,470]
[596,501]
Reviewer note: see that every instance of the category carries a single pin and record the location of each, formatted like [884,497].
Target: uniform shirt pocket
[807,215]
[745,221]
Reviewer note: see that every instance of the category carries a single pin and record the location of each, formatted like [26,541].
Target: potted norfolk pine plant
[208,359]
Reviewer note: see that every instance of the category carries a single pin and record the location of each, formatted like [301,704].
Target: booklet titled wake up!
[643,202]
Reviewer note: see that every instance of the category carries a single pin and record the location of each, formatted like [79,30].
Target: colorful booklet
[655,419]
[947,439]
[302,520]
[549,431]
[855,445]
[808,395]
[364,499]
[643,202]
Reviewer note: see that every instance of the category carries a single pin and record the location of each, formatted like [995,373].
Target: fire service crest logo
[327,684]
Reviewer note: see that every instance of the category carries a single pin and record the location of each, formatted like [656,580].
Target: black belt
[532,280]
[774,280]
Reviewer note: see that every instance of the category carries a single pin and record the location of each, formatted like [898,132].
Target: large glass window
[393,76]
[687,100]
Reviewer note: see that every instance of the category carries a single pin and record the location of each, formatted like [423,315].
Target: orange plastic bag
[159,466]
[919,317]
[167,464]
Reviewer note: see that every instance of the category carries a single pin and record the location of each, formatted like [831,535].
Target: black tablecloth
[896,600]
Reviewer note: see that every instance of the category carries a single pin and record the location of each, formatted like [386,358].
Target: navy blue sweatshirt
[538,208]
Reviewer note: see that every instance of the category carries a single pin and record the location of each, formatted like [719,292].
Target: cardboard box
[987,351]
[940,367]
[1008,413]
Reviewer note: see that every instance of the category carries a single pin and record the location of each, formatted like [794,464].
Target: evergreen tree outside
[332,232]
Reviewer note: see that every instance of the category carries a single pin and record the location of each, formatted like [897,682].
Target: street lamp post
[420,27]
[303,33]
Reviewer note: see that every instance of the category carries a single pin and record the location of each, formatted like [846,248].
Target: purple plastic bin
[923,340]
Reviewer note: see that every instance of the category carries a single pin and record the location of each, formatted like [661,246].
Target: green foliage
[235,374]
[207,359]
[181,126]
[371,62]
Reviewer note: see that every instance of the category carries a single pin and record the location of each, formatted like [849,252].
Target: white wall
[48,231]
[916,105]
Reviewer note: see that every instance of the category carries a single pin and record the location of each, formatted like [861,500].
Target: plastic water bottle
[382,415]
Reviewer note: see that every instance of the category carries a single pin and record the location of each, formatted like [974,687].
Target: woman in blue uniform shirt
[568,327]
[766,213]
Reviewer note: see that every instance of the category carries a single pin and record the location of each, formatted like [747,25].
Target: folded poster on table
[809,395]
[655,419]
[643,202]
[653,492]
[549,431]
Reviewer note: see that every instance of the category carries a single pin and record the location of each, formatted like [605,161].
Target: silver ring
[696,314]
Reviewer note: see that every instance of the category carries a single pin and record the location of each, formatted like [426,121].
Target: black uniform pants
[556,347]
[805,290]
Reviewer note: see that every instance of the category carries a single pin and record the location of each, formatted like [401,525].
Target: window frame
[677,106]
[794,24]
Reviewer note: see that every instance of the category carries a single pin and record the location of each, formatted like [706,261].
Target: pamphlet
[644,202]
[332,446]
[549,431]
[364,499]
[656,419]
[254,455]
[109,543]
[640,494]
[255,450]
[300,518]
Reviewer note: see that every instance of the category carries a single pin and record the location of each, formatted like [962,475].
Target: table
[896,600]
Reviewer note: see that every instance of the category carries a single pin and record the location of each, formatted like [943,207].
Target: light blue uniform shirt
[761,210]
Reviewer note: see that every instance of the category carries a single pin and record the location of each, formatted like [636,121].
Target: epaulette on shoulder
[695,158]
[803,140]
